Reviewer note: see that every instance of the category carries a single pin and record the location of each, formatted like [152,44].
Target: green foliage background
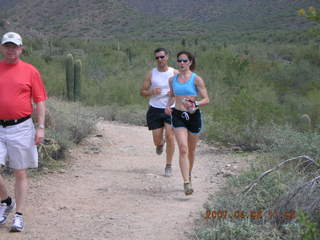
[259,83]
[252,85]
[260,67]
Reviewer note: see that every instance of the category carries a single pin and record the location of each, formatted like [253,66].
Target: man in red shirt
[21,86]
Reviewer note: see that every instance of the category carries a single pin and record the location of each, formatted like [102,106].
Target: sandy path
[115,189]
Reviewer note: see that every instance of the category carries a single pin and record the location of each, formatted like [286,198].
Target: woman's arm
[202,92]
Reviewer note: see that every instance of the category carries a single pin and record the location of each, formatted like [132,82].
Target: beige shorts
[18,143]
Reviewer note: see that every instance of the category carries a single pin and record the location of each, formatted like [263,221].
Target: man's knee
[158,136]
[20,175]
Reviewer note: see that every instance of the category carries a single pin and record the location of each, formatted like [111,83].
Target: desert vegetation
[261,67]
[265,98]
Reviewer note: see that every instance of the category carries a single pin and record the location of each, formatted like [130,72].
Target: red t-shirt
[20,83]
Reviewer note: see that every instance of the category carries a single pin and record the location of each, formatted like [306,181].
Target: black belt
[5,123]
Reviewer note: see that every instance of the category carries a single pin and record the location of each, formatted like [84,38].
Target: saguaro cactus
[129,54]
[70,76]
[77,80]
[73,80]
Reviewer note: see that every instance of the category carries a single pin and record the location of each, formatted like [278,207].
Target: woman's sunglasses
[182,60]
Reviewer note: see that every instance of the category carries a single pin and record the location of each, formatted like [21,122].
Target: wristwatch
[41,126]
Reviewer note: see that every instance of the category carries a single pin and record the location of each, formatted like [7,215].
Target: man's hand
[168,110]
[155,91]
[39,137]
[169,93]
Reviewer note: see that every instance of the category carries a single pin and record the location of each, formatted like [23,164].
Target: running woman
[186,116]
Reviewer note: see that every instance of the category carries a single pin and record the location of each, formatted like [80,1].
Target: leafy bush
[285,142]
[309,229]
[268,210]
[241,230]
[69,122]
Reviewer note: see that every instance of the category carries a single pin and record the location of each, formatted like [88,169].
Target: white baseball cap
[12,37]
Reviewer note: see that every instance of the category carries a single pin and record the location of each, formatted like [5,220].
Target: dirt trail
[115,189]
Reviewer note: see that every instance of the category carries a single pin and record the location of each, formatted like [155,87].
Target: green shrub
[285,142]
[310,229]
[269,210]
[69,122]
[251,85]
[241,230]
[243,221]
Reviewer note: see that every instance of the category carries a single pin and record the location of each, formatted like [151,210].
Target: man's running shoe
[168,171]
[5,210]
[159,149]
[18,224]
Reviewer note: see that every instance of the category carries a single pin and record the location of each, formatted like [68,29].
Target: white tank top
[160,80]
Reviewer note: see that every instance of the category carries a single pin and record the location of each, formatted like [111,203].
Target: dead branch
[311,182]
[255,183]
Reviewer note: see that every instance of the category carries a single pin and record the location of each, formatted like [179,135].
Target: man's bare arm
[40,115]
[145,90]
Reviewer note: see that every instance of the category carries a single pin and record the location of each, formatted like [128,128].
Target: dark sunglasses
[182,60]
[157,57]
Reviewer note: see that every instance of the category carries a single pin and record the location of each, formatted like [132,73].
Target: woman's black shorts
[156,118]
[190,121]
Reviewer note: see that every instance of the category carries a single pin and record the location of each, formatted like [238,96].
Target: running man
[156,88]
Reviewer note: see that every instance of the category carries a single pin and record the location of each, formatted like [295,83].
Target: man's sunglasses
[182,60]
[157,57]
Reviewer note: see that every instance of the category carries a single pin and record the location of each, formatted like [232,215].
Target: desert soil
[114,188]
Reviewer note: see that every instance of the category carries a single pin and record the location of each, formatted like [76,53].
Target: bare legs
[21,185]
[192,144]
[169,142]
[169,136]
[3,190]
[187,143]
[157,135]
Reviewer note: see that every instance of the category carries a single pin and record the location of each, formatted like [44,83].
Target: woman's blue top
[185,89]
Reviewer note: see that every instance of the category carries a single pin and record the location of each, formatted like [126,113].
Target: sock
[8,201]
[19,213]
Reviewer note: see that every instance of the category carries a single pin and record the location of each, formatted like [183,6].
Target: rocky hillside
[148,18]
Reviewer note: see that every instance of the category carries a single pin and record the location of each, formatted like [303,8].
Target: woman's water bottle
[191,109]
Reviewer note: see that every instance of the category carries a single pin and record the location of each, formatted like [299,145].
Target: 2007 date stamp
[252,214]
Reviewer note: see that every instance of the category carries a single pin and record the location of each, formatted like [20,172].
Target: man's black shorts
[156,118]
[192,122]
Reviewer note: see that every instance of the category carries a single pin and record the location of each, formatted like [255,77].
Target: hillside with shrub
[264,97]
[261,68]
[149,19]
